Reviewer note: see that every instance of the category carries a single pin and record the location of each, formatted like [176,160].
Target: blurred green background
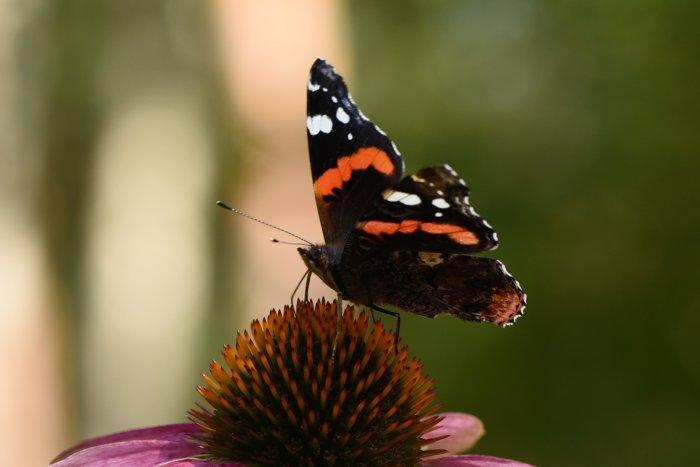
[574,123]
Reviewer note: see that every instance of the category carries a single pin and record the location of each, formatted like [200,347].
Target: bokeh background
[576,124]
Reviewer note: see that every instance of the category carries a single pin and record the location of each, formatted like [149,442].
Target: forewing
[428,210]
[352,160]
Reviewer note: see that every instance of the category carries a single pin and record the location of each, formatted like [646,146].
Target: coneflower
[283,400]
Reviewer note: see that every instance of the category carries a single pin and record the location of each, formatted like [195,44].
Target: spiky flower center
[285,399]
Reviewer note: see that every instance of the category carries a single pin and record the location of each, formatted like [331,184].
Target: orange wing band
[361,159]
[456,233]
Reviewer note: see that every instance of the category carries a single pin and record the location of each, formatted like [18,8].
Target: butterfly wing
[352,160]
[427,283]
[428,210]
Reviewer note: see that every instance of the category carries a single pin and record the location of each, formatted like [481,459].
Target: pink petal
[462,431]
[472,461]
[162,445]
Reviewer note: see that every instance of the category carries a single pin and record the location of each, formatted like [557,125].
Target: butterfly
[392,242]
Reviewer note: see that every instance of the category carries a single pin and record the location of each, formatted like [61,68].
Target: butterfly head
[321,260]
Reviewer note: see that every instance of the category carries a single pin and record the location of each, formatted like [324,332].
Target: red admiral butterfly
[401,243]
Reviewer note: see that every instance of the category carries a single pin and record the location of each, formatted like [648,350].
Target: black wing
[352,160]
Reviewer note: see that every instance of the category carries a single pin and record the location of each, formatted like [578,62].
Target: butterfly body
[404,243]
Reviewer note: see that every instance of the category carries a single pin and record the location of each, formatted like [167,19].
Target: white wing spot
[416,178]
[324,89]
[319,123]
[342,116]
[438,214]
[503,269]
[401,197]
[326,124]
[313,87]
[440,203]
[379,130]
[441,193]
[352,101]
[411,200]
[466,200]
[334,99]
[349,136]
[393,196]
[450,170]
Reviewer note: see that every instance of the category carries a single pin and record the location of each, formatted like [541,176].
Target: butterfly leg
[308,283]
[371,314]
[396,315]
[338,315]
[307,276]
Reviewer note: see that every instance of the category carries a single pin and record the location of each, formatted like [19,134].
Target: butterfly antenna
[248,216]
[284,242]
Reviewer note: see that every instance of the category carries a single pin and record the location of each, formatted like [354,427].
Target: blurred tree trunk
[110,137]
